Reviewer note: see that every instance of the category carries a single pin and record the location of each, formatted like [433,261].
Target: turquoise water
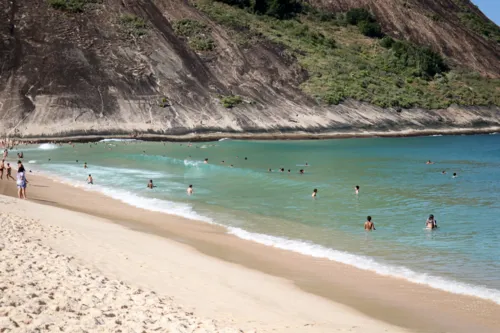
[397,189]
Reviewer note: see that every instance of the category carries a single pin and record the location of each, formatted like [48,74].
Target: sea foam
[366,263]
[48,146]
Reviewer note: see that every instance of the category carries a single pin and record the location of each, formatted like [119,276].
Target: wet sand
[391,300]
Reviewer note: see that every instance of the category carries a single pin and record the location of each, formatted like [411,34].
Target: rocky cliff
[127,66]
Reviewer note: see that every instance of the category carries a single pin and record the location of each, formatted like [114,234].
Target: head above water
[357,187]
[431,216]
[150,180]
[315,190]
[369,218]
[190,186]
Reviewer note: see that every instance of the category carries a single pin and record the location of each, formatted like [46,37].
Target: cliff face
[65,73]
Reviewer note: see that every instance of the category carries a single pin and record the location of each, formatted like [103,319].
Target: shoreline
[299,135]
[389,299]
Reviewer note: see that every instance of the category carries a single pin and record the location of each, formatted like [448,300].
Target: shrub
[283,9]
[195,32]
[370,29]
[188,27]
[74,6]
[133,24]
[357,15]
[230,101]
[386,42]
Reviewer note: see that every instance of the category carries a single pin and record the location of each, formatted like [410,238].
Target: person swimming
[431,222]
[315,193]
[454,175]
[205,161]
[150,184]
[369,225]
[444,172]
[301,171]
[190,190]
[429,162]
[289,171]
[269,170]
[356,189]
[282,170]
[90,180]
[85,165]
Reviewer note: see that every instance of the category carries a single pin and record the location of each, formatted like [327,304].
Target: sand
[67,271]
[239,284]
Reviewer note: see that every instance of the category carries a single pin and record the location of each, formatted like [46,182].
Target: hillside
[81,67]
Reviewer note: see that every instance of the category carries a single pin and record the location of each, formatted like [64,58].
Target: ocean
[397,188]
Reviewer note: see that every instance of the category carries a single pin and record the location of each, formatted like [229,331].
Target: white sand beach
[67,271]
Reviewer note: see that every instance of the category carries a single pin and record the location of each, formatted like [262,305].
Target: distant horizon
[490,8]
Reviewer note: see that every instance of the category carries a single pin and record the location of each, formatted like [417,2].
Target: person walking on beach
[2,166]
[90,180]
[150,184]
[21,181]
[431,222]
[369,225]
[315,193]
[190,190]
[9,172]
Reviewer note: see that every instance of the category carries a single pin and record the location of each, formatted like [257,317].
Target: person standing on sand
[190,190]
[315,193]
[9,172]
[21,181]
[369,225]
[2,166]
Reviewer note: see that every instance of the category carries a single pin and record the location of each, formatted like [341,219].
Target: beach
[240,284]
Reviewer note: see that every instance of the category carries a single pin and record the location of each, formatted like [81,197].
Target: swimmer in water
[301,171]
[90,180]
[444,172]
[205,161]
[190,190]
[231,166]
[431,222]
[269,170]
[150,184]
[307,164]
[222,162]
[356,189]
[246,158]
[289,171]
[429,162]
[454,175]
[369,225]
[282,170]
[85,165]
[315,193]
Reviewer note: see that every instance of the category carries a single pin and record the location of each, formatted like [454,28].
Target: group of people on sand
[20,179]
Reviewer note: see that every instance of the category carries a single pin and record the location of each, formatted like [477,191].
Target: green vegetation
[133,25]
[365,21]
[230,101]
[476,23]
[282,9]
[343,64]
[73,6]
[163,102]
[197,34]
